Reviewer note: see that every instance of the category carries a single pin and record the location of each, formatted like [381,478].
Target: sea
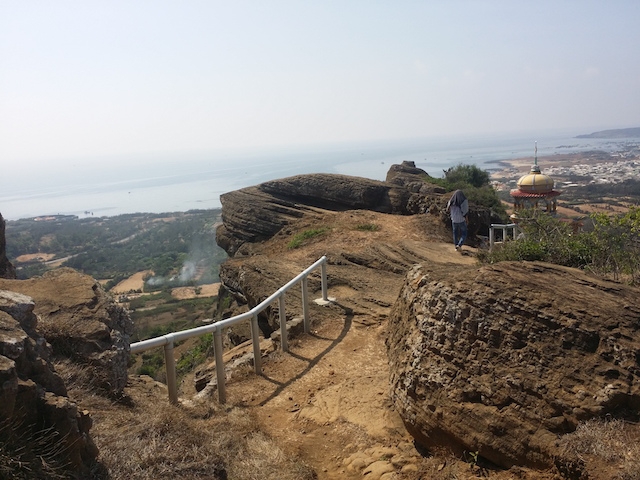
[109,186]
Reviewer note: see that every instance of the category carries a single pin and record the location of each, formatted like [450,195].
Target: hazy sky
[93,78]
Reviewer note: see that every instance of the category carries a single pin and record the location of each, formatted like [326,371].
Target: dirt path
[327,399]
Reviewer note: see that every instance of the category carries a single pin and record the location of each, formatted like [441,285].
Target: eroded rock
[40,428]
[504,359]
[257,213]
[81,322]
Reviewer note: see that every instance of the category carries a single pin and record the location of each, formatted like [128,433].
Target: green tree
[464,175]
[476,184]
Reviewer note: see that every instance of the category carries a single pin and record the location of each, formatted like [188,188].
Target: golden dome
[535,182]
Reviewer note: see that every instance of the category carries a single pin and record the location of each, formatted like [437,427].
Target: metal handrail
[168,341]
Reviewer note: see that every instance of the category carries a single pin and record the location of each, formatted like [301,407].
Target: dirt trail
[327,399]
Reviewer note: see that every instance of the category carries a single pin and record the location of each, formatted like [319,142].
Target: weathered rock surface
[255,214]
[6,268]
[81,322]
[40,428]
[502,360]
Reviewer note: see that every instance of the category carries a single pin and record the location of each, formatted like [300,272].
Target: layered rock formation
[41,430]
[255,214]
[502,360]
[82,323]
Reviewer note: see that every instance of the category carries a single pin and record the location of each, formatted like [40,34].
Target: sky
[86,79]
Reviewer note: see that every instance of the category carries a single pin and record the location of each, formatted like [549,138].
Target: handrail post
[220,376]
[255,336]
[170,365]
[323,270]
[305,304]
[283,323]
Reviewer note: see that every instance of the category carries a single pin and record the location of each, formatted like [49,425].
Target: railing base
[322,302]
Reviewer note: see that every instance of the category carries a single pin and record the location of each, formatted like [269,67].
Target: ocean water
[167,183]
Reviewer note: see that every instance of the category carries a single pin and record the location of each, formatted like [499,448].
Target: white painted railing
[496,226]
[168,341]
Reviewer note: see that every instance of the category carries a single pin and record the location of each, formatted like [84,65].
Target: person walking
[458,208]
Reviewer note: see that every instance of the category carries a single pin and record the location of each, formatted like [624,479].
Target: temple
[535,190]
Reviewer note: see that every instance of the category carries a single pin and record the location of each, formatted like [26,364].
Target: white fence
[168,341]
[504,228]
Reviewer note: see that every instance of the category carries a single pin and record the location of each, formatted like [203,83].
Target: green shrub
[612,248]
[196,355]
[301,237]
[467,175]
[476,184]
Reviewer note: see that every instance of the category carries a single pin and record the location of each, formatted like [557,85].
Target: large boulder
[502,360]
[82,323]
[41,430]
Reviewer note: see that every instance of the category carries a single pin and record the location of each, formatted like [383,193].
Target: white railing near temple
[168,341]
[504,229]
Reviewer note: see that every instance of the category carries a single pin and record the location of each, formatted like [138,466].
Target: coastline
[197,181]
[511,167]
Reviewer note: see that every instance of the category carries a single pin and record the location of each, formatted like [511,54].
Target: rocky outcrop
[42,433]
[256,213]
[6,268]
[82,323]
[502,360]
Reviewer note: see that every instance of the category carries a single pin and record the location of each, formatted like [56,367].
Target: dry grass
[145,437]
[606,448]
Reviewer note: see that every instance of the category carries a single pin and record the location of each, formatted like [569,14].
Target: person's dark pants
[459,233]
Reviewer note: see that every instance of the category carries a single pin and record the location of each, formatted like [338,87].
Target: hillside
[332,408]
[615,133]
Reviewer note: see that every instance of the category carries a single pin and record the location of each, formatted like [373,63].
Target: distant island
[617,133]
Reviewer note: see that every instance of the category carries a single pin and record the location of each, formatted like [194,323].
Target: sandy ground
[134,282]
[183,293]
[41,257]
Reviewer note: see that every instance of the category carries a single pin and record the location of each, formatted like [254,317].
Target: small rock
[412,467]
[377,469]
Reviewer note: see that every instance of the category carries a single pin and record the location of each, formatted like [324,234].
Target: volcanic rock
[82,323]
[504,359]
[255,214]
[40,428]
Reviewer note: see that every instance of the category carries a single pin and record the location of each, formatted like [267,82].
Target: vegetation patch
[161,440]
[608,245]
[609,445]
[300,238]
[196,355]
[368,227]
[476,184]
[179,247]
